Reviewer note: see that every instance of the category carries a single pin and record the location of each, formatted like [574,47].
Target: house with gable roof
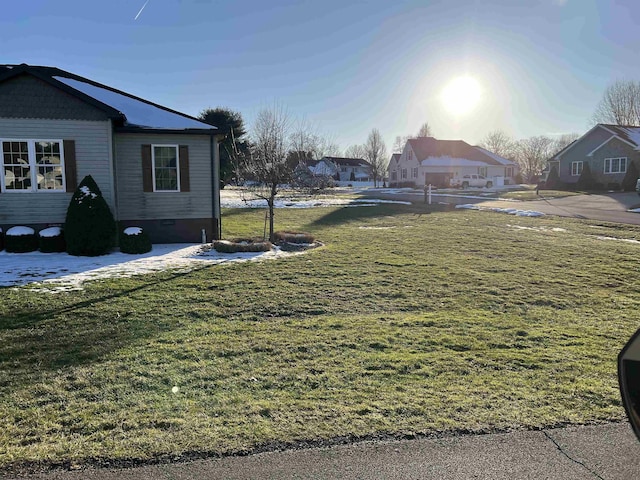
[427,160]
[608,149]
[157,168]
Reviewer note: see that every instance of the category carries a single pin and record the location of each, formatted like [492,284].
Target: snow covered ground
[233,198]
[57,272]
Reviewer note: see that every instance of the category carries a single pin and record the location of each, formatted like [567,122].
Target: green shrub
[586,180]
[134,240]
[51,240]
[242,245]
[629,181]
[293,237]
[89,228]
[553,180]
[1,240]
[21,240]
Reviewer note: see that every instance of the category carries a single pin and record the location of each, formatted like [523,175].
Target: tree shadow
[349,214]
[37,341]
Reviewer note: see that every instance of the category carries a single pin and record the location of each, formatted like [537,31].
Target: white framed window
[576,168]
[166,168]
[414,172]
[615,165]
[30,165]
[394,175]
[403,174]
[508,172]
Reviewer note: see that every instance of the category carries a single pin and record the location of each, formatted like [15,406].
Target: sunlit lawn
[531,194]
[405,322]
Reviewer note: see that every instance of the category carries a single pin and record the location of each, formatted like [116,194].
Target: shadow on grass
[348,214]
[82,332]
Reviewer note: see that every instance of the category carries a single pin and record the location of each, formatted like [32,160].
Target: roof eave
[182,131]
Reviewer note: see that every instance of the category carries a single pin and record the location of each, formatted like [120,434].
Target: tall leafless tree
[376,155]
[425,130]
[532,154]
[563,140]
[620,104]
[399,143]
[267,161]
[355,151]
[499,143]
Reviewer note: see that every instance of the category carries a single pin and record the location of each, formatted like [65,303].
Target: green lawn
[531,194]
[405,322]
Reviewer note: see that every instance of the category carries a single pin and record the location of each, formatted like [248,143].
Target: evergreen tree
[586,181]
[630,179]
[89,228]
[553,180]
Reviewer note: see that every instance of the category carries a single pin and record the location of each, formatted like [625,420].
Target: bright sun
[461,95]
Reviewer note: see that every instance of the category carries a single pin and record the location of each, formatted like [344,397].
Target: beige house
[427,160]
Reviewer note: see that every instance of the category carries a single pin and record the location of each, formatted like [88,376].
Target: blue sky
[345,66]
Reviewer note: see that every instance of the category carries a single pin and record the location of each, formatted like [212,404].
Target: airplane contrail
[145,4]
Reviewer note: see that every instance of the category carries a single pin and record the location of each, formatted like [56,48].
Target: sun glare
[461,95]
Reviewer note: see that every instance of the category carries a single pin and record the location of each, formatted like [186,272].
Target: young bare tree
[267,162]
[532,154]
[499,143]
[425,130]
[564,140]
[620,104]
[376,155]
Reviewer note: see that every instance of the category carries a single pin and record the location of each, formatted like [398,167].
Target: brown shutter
[184,168]
[70,168]
[147,169]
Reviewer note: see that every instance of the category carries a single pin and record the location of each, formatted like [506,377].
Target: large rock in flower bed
[134,240]
[51,240]
[20,240]
[242,245]
[90,228]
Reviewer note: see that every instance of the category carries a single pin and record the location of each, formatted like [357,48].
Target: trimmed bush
[21,240]
[629,181]
[586,180]
[51,240]
[134,240]
[553,179]
[293,237]
[1,240]
[242,245]
[89,229]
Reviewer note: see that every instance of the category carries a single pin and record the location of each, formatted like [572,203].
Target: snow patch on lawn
[60,272]
[509,211]
[237,199]
[538,229]
[628,240]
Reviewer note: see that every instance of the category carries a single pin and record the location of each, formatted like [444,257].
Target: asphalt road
[608,452]
[610,207]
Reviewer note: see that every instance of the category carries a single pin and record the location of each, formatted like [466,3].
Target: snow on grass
[509,211]
[239,199]
[628,240]
[538,229]
[59,272]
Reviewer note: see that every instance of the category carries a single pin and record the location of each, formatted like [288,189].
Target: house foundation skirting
[178,230]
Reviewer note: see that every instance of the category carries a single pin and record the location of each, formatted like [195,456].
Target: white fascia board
[573,144]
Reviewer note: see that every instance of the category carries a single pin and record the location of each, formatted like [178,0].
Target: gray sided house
[427,160]
[157,168]
[608,149]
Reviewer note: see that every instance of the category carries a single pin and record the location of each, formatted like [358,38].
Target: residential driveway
[608,452]
[611,207]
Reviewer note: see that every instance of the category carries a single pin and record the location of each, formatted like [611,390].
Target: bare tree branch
[376,155]
[620,104]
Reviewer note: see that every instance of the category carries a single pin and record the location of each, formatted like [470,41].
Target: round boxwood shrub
[242,245]
[134,240]
[90,228]
[51,240]
[21,240]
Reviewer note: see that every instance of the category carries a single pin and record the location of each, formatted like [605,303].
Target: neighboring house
[427,160]
[348,169]
[608,149]
[157,168]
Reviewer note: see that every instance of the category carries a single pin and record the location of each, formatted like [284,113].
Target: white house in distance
[341,169]
[427,160]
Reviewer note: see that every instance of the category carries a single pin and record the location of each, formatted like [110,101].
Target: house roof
[426,148]
[627,133]
[348,162]
[130,112]
[395,157]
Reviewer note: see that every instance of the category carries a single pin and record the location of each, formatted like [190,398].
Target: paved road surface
[608,452]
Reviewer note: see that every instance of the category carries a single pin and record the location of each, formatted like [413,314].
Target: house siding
[26,96]
[614,149]
[164,208]
[93,157]
[578,153]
